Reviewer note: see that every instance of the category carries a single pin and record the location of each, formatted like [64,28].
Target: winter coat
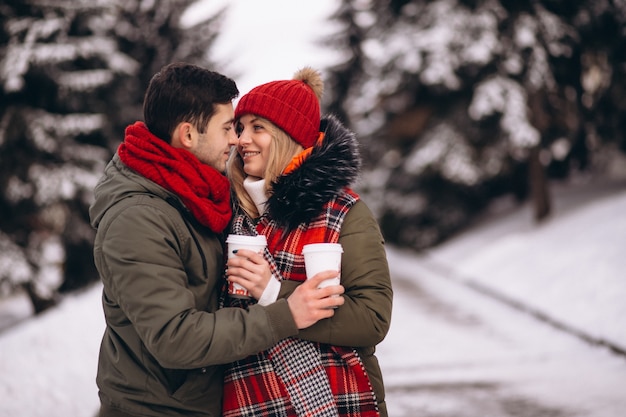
[165,339]
[364,319]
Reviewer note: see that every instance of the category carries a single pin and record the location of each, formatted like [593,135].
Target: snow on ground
[453,351]
[48,363]
[569,267]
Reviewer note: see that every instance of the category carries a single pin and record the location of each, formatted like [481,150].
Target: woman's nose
[244,138]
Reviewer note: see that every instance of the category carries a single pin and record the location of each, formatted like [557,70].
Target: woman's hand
[250,270]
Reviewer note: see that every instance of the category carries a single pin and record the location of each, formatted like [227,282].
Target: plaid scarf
[204,191]
[298,378]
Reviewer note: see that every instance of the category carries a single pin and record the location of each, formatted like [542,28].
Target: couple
[174,343]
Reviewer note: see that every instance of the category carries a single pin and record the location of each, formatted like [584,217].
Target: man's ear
[183,136]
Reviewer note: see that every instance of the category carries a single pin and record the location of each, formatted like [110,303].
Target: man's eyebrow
[229,122]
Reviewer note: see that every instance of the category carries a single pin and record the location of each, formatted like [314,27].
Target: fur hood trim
[333,165]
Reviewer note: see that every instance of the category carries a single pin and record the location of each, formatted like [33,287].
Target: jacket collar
[333,165]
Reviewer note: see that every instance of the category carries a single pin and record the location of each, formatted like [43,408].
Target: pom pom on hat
[292,105]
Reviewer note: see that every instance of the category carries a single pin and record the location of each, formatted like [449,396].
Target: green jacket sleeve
[365,317]
[148,282]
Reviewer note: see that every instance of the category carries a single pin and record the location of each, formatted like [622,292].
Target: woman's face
[254,145]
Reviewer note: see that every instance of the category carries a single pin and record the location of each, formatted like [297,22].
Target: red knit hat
[292,105]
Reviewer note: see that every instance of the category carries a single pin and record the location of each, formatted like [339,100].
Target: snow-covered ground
[570,268]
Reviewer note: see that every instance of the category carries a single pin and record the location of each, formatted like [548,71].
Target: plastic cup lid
[322,247]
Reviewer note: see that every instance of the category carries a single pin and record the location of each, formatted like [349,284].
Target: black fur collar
[299,196]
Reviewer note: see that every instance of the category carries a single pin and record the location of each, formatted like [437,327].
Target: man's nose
[233,139]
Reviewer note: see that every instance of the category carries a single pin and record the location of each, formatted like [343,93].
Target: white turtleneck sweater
[256,189]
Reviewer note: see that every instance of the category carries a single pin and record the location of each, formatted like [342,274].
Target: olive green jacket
[165,338]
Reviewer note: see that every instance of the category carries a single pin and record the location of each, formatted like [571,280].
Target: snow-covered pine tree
[458,102]
[72,76]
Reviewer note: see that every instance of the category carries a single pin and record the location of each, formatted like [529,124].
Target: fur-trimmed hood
[332,165]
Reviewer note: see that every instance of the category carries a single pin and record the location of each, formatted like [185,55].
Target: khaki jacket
[165,338]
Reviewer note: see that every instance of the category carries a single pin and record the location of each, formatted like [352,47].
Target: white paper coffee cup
[236,242]
[320,257]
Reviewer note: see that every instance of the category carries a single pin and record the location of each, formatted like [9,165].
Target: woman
[291,176]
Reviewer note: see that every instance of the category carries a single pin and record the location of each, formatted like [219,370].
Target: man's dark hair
[183,92]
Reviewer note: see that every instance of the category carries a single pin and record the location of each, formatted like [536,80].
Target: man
[160,210]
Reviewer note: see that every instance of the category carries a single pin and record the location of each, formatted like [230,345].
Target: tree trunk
[39,303]
[538,186]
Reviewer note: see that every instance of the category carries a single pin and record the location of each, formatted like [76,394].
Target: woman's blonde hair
[281,151]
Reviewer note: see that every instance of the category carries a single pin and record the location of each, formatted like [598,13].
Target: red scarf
[204,190]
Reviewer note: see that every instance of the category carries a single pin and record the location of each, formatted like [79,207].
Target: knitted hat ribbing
[292,105]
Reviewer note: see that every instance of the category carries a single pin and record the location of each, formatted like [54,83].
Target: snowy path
[452,351]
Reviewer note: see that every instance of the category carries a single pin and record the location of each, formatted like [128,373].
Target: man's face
[213,146]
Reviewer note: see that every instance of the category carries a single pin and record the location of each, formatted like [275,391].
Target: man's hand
[309,304]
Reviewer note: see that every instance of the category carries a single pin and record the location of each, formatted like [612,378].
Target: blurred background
[458,105]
